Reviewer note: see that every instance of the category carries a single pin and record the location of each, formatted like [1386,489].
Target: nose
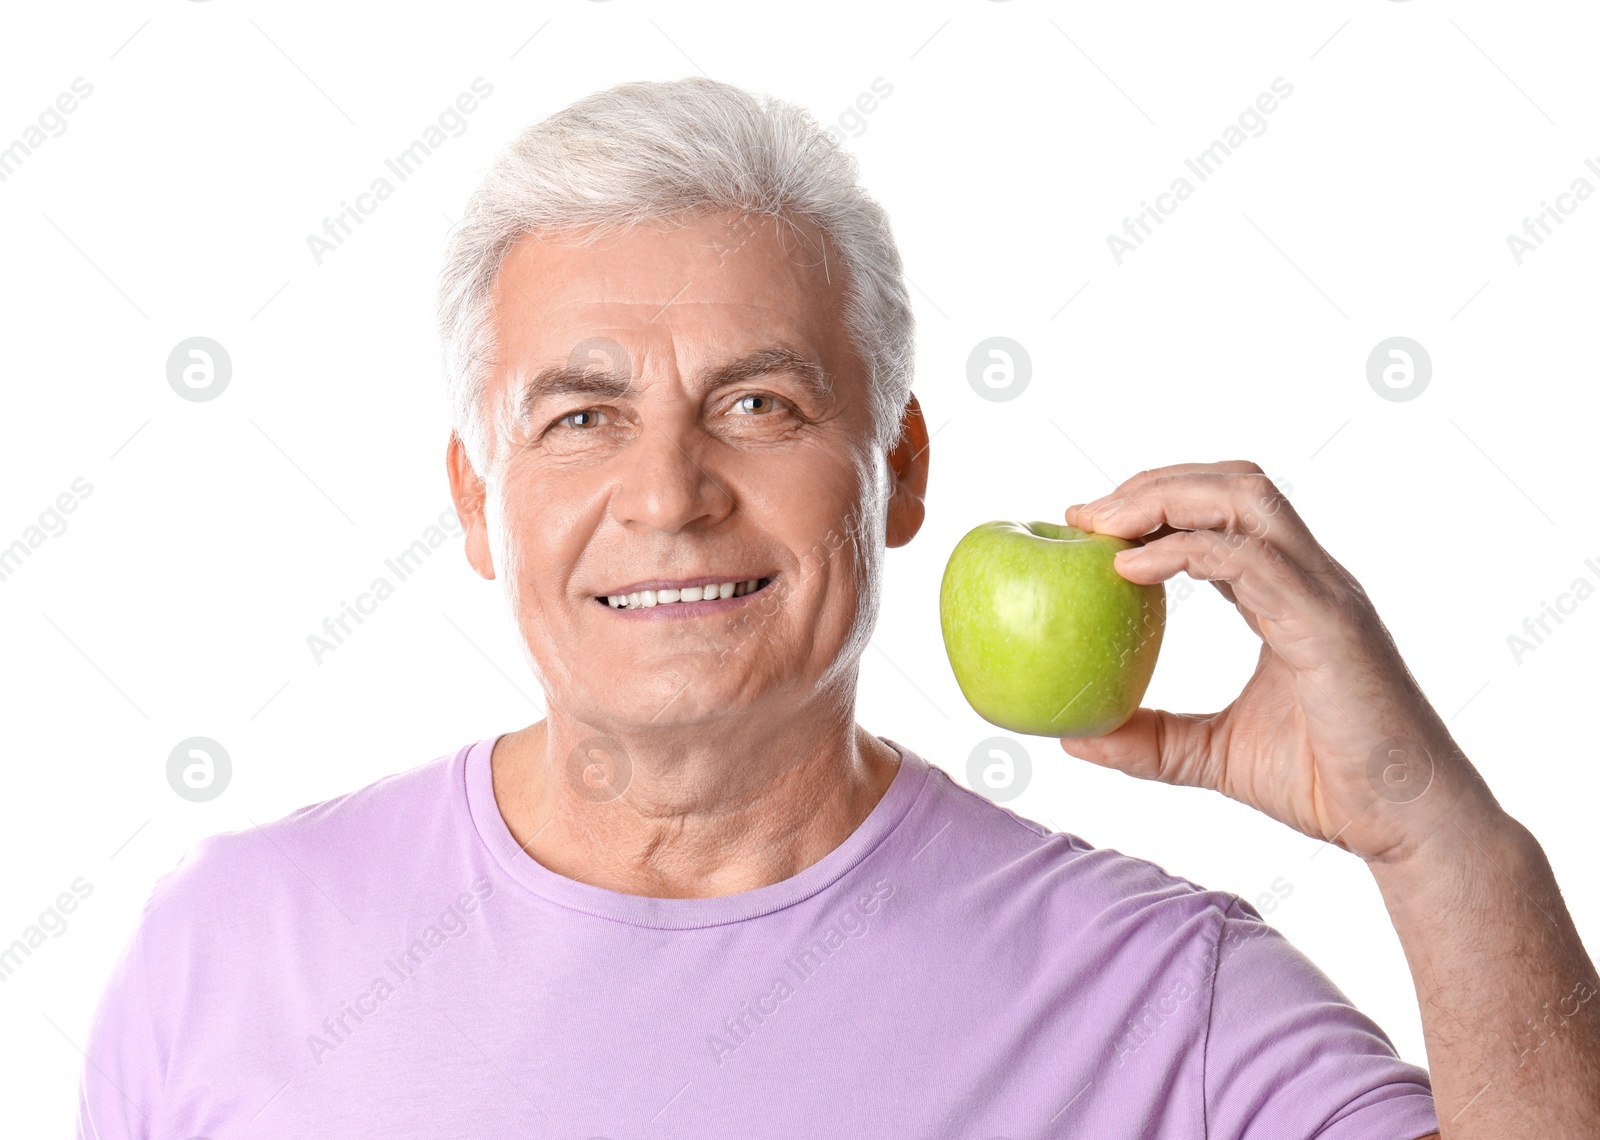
[663,482]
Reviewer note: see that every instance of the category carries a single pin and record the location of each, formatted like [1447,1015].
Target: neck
[688,811]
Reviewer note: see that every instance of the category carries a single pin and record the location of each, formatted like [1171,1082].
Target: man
[697,899]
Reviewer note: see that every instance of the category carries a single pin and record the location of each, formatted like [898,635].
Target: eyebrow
[596,380]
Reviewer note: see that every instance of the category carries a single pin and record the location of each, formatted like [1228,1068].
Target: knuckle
[1265,501]
[1261,486]
[1212,549]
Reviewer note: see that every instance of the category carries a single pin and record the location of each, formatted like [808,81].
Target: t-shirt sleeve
[122,1066]
[1287,1055]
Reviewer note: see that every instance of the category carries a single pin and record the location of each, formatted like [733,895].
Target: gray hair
[646,151]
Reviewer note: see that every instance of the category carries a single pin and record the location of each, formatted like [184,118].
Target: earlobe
[908,465]
[468,493]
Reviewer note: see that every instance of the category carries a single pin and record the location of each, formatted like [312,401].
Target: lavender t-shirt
[390,964]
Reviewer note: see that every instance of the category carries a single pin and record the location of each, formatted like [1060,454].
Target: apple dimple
[1056,532]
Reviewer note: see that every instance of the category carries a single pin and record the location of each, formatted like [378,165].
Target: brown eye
[763,403]
[587,416]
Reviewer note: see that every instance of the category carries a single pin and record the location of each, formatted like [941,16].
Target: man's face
[671,405]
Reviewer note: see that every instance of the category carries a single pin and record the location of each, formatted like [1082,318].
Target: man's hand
[1332,734]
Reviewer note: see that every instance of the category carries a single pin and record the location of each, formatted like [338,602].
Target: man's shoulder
[1057,874]
[317,851]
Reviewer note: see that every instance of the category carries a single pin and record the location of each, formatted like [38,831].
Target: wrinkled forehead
[704,277]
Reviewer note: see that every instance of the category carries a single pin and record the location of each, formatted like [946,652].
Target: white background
[1018,136]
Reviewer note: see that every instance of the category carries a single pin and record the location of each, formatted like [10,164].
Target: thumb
[1153,744]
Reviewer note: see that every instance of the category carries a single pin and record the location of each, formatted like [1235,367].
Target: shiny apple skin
[1044,636]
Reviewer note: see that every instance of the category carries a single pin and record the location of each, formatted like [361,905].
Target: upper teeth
[644,599]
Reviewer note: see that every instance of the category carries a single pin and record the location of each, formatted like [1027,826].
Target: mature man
[698,899]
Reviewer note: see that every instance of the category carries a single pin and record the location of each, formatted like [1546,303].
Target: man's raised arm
[1333,737]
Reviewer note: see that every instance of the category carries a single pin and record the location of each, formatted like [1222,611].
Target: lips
[695,592]
[679,583]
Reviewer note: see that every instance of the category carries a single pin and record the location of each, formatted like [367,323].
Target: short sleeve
[1288,1055]
[122,1069]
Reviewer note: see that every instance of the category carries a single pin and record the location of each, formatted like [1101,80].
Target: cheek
[819,517]
[802,502]
[538,539]
[558,534]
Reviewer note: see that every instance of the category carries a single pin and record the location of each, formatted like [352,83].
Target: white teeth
[644,599]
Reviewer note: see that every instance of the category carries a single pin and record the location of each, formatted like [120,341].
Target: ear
[468,493]
[908,463]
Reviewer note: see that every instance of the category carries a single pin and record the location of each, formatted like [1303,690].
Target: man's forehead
[726,297]
[727,260]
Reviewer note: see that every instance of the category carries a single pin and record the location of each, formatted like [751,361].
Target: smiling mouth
[717,594]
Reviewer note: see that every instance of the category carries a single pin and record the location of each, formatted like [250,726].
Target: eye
[756,403]
[588,416]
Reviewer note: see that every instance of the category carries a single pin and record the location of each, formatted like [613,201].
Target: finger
[1248,504]
[1128,486]
[1262,580]
[1189,500]
[1224,467]
[1152,744]
[1131,484]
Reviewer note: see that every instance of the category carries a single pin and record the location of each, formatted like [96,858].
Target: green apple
[1044,636]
